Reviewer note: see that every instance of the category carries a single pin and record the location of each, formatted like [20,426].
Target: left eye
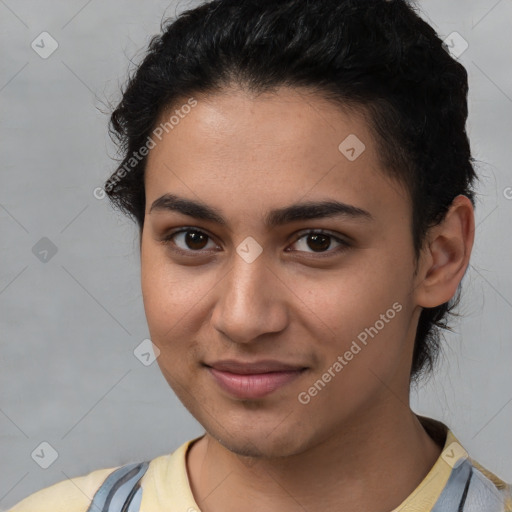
[319,242]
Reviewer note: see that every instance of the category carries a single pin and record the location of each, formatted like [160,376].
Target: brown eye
[195,240]
[320,242]
[189,240]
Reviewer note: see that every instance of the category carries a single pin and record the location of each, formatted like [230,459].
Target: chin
[260,443]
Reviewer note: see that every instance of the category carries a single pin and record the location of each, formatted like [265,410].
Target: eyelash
[344,245]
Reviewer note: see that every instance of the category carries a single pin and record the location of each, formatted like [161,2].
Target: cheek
[363,349]
[174,299]
[169,299]
[166,294]
[350,299]
[361,313]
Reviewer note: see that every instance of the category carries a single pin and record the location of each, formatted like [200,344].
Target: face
[238,266]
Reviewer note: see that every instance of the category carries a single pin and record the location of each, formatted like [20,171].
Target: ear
[445,255]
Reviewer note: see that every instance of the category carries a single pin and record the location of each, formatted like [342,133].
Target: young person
[302,180]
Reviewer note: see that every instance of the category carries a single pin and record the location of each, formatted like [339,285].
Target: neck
[352,469]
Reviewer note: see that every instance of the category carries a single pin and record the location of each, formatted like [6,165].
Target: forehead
[269,149]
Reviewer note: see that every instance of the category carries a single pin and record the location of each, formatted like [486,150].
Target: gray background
[68,375]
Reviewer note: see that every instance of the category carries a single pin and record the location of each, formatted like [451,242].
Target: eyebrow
[278,217]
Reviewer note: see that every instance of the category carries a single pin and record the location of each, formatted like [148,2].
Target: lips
[252,380]
[246,368]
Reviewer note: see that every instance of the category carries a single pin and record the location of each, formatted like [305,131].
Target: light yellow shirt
[166,487]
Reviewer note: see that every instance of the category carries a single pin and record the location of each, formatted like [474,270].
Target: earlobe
[446,255]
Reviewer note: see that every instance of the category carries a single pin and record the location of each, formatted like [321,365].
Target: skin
[244,156]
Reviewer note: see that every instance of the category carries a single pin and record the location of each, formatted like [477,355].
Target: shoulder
[152,485]
[463,483]
[70,495]
[486,485]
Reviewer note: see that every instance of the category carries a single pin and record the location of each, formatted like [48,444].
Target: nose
[250,302]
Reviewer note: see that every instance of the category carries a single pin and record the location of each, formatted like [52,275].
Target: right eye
[188,240]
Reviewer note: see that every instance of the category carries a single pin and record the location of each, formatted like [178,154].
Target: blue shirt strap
[121,490]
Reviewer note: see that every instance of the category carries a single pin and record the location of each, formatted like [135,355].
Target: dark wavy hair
[377,56]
